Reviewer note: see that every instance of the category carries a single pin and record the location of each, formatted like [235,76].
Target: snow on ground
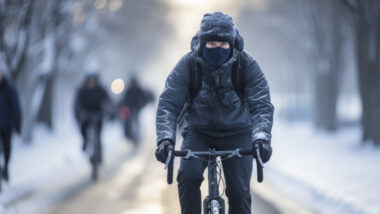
[51,159]
[331,173]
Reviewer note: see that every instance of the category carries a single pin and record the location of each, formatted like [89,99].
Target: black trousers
[5,135]
[237,173]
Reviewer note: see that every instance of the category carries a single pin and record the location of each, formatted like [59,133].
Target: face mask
[216,56]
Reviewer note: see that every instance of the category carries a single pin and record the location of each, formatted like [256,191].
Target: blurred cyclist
[10,118]
[91,101]
[134,100]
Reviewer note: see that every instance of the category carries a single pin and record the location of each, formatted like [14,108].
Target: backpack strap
[237,75]
[195,84]
[195,73]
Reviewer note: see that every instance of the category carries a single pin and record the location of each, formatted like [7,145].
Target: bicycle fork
[213,203]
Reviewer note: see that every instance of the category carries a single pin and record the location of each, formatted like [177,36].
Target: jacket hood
[219,27]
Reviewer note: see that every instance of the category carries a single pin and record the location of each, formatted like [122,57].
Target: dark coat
[10,114]
[91,101]
[217,110]
[135,98]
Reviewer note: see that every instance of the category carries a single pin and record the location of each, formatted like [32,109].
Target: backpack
[237,78]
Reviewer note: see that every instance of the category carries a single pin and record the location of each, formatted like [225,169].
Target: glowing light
[100,4]
[115,5]
[117,86]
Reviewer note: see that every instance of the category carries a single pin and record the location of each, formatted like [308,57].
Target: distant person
[134,99]
[228,107]
[92,103]
[10,118]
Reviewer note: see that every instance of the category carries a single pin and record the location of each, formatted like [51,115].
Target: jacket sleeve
[77,105]
[258,101]
[107,104]
[172,100]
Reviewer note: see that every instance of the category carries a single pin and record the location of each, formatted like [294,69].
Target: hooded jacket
[217,110]
[91,101]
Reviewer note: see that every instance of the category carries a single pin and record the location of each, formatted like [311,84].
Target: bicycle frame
[93,143]
[213,203]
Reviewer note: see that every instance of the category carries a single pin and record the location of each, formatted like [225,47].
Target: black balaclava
[216,56]
[216,27]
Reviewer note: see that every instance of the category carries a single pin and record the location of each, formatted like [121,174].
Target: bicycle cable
[219,167]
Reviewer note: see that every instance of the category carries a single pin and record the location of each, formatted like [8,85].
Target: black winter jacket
[89,101]
[217,110]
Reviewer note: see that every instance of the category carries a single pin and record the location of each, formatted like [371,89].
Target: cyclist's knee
[238,193]
[189,177]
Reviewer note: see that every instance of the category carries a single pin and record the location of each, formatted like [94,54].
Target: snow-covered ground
[39,172]
[329,173]
[310,170]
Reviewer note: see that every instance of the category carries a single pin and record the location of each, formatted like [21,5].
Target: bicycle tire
[94,175]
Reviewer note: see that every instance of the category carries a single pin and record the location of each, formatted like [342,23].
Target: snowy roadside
[328,173]
[51,164]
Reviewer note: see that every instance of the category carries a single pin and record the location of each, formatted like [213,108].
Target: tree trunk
[330,40]
[326,89]
[367,36]
[45,114]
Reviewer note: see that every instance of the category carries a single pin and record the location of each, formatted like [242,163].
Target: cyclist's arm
[107,104]
[172,100]
[258,100]
[78,106]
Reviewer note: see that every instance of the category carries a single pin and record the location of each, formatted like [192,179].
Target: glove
[265,149]
[163,150]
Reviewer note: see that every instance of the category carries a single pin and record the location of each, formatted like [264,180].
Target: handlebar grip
[180,153]
[170,172]
[247,152]
[260,174]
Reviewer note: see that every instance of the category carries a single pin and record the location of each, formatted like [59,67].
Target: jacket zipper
[220,112]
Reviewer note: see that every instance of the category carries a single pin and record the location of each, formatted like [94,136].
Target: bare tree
[15,19]
[315,25]
[35,36]
[367,36]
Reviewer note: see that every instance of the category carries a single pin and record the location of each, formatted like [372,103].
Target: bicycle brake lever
[259,157]
[168,159]
[188,154]
[237,151]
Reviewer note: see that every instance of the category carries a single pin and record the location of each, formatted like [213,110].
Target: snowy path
[52,176]
[44,172]
[330,173]
[310,173]
[138,187]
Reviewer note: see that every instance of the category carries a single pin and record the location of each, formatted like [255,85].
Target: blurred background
[321,59]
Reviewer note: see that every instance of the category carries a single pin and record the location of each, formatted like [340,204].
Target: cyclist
[91,101]
[135,98]
[10,118]
[224,113]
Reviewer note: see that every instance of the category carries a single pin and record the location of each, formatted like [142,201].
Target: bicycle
[213,203]
[93,147]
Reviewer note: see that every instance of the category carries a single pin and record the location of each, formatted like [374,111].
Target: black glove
[163,150]
[265,149]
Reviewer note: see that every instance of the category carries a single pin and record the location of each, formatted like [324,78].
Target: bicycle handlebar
[188,154]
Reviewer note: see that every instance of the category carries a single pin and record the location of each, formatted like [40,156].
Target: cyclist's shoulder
[246,57]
